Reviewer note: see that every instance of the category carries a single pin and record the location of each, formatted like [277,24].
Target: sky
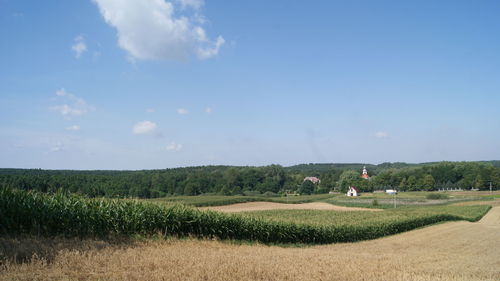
[153,84]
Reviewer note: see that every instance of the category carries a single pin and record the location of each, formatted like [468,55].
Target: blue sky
[117,84]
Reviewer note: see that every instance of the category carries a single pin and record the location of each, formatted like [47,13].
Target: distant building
[353,191]
[314,180]
[391,191]
[365,173]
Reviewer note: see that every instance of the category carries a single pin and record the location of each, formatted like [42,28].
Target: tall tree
[307,187]
[429,182]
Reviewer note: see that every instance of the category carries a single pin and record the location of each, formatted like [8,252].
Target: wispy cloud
[194,4]
[173,32]
[58,146]
[208,110]
[150,110]
[182,111]
[74,106]
[79,47]
[212,49]
[173,146]
[144,128]
[381,134]
[73,128]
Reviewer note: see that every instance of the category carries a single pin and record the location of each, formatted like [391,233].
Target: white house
[391,191]
[353,191]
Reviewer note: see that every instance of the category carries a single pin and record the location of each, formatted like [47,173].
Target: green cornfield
[32,213]
[364,218]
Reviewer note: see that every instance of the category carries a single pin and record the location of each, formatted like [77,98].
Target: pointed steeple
[365,173]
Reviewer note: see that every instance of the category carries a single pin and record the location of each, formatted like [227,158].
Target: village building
[352,191]
[365,173]
[314,180]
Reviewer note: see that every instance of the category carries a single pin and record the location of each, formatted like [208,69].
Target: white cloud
[154,29]
[194,4]
[145,127]
[79,47]
[73,106]
[61,93]
[208,110]
[381,134]
[150,110]
[182,111]
[73,128]
[173,146]
[212,49]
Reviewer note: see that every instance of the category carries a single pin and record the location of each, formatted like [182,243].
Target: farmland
[219,200]
[66,237]
[383,200]
[368,219]
[40,214]
[261,206]
[444,252]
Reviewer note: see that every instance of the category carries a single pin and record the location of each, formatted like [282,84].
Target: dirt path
[261,206]
[456,251]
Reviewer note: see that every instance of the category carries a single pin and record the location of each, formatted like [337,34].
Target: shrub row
[34,213]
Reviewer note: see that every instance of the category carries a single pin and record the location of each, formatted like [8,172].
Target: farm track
[261,206]
[451,251]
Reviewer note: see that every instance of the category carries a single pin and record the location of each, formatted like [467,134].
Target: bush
[375,202]
[251,193]
[436,196]
[270,194]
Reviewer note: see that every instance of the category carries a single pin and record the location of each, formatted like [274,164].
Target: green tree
[403,185]
[495,178]
[307,187]
[429,182]
[479,183]
[347,178]
[411,183]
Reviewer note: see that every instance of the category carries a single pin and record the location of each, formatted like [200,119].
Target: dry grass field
[450,251]
[262,206]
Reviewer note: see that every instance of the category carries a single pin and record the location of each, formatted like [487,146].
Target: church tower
[365,173]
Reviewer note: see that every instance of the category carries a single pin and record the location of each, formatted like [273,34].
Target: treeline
[268,180]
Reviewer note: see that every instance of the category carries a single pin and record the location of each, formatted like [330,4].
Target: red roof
[312,179]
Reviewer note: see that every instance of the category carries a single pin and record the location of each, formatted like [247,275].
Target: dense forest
[268,180]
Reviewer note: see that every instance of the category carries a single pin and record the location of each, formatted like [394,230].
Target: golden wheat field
[451,251]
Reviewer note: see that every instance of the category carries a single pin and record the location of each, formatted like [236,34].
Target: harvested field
[262,206]
[444,252]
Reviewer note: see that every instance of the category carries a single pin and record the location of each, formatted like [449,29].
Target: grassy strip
[34,213]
